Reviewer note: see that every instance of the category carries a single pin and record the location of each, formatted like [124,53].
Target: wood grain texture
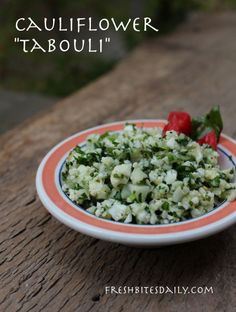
[46,266]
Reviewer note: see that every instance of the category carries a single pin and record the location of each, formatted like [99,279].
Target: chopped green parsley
[138,176]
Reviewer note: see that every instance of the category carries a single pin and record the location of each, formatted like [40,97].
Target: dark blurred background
[33,81]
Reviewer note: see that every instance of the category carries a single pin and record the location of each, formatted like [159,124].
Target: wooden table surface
[45,266]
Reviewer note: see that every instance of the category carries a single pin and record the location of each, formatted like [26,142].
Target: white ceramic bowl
[61,207]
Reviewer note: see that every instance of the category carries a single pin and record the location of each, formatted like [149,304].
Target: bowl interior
[225,161]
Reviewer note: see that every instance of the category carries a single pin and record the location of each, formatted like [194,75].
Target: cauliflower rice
[137,176]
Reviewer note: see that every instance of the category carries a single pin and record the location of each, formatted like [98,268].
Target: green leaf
[202,125]
[214,120]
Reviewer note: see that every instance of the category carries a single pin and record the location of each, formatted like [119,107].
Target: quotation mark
[107,39]
[17,39]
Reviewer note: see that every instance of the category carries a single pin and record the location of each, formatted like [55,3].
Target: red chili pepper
[210,139]
[179,122]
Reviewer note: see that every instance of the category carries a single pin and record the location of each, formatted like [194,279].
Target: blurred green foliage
[60,74]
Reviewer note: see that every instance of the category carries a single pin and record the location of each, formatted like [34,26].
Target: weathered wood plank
[45,266]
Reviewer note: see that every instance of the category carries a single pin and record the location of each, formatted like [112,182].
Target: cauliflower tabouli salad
[147,176]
